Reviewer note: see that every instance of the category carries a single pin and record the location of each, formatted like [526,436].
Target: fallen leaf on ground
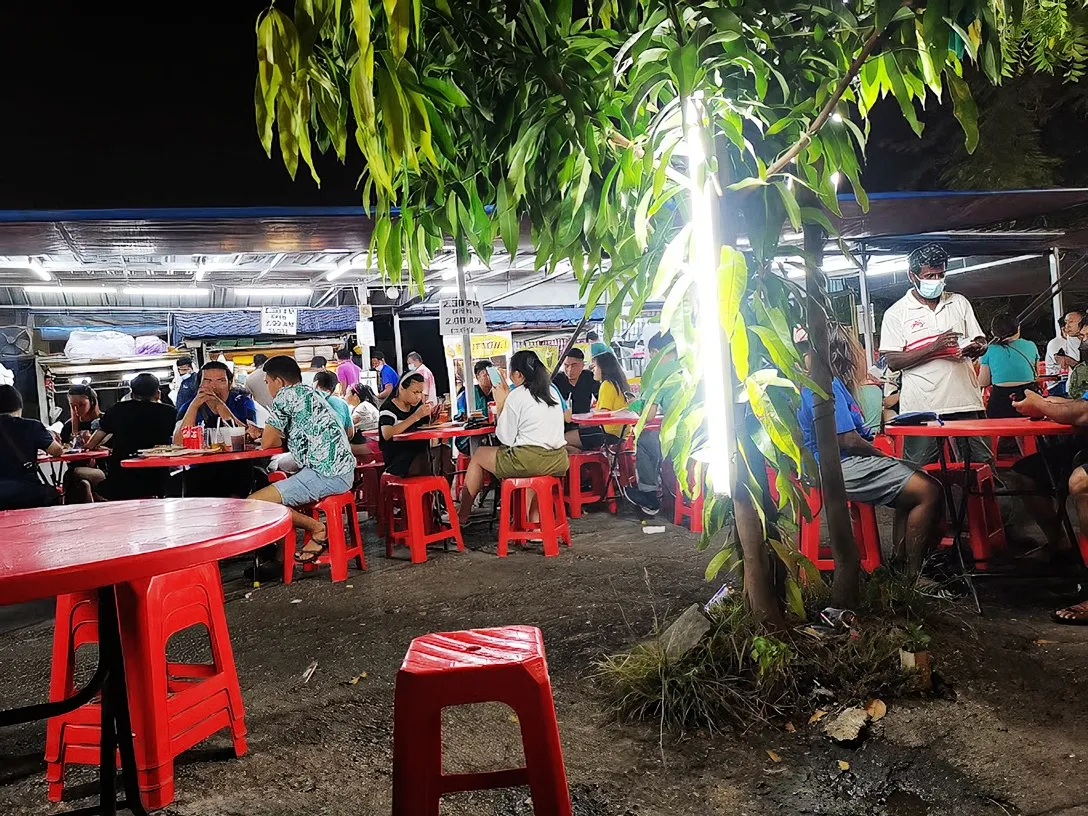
[296,600]
[876,709]
[355,680]
[790,727]
[817,715]
[774,757]
[1042,642]
[844,765]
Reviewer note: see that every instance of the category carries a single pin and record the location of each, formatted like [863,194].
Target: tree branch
[817,123]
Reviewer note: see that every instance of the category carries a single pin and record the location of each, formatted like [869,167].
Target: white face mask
[930,289]
[1073,342]
[412,366]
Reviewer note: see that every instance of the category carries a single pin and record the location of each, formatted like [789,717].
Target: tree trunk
[759,589]
[846,585]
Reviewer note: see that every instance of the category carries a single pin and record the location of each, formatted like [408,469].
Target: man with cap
[930,336]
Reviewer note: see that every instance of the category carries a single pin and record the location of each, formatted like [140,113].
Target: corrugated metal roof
[247,323]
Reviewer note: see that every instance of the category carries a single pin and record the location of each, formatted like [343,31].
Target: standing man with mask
[1063,352]
[415,363]
[930,336]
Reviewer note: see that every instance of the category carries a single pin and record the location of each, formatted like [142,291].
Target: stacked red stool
[866,534]
[985,528]
[505,665]
[414,526]
[515,526]
[174,706]
[594,467]
[689,511]
[367,492]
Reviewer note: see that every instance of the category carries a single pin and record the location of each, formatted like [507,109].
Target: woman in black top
[20,441]
[404,411]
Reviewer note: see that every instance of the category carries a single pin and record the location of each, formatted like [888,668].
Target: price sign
[279,320]
[456,316]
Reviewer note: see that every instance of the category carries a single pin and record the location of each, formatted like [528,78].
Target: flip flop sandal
[1080,619]
[311,556]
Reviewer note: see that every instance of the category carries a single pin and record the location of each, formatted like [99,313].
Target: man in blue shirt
[873,477]
[217,404]
[387,375]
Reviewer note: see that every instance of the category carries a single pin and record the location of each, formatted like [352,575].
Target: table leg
[958,515]
[109,679]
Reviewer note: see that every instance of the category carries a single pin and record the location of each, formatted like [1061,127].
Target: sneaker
[644,500]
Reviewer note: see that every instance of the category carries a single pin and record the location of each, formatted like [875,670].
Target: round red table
[190,459]
[446,432]
[74,456]
[77,548]
[614,418]
[1023,427]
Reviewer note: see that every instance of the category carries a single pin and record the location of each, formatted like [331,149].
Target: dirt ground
[1013,741]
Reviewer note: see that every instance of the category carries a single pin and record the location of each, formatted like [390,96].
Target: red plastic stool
[414,497]
[688,510]
[367,481]
[515,526]
[866,534]
[985,528]
[173,705]
[595,467]
[628,473]
[339,552]
[504,665]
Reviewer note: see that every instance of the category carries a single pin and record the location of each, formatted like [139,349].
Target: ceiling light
[281,291]
[167,291]
[201,271]
[35,266]
[69,290]
[393,293]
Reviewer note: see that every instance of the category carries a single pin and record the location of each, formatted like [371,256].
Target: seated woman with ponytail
[404,411]
[1008,366]
[530,424]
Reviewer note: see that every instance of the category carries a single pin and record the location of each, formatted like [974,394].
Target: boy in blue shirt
[871,476]
[387,375]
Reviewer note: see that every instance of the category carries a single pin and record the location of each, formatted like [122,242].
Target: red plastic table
[963,428]
[52,551]
[57,463]
[446,432]
[613,418]
[190,459]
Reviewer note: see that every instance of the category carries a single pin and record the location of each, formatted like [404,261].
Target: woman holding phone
[530,424]
[404,411]
[1008,367]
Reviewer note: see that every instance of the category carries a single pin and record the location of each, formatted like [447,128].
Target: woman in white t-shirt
[531,418]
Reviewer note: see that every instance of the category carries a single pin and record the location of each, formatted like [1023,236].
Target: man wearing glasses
[931,336]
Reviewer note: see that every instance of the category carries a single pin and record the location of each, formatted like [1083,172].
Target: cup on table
[237,437]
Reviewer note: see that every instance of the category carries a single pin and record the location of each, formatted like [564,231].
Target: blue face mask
[930,289]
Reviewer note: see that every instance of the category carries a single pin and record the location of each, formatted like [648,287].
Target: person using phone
[406,410]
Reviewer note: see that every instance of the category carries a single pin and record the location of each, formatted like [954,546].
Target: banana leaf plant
[571,119]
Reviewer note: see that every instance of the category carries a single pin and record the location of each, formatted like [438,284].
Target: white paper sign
[364,333]
[456,316]
[279,320]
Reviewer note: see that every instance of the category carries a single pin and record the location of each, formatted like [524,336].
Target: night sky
[130,108]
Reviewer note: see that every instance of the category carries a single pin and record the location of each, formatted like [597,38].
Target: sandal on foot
[305,556]
[1077,615]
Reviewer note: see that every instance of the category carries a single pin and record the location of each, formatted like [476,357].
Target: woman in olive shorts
[530,426]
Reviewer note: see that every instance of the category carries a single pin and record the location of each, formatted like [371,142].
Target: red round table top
[1019,426]
[74,456]
[52,551]
[449,432]
[186,459]
[613,418]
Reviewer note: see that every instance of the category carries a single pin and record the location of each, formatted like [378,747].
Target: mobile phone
[496,377]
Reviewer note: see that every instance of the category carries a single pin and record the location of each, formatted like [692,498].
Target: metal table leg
[109,679]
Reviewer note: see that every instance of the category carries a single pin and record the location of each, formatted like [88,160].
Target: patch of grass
[740,676]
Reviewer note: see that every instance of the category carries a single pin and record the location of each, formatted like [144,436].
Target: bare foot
[1076,615]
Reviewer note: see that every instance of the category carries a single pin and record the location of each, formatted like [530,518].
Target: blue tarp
[247,323]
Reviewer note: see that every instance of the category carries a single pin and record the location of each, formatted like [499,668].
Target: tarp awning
[247,323]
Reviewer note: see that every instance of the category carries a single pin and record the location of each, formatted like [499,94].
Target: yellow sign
[483,346]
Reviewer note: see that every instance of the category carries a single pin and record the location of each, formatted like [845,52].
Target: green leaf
[963,105]
[642,219]
[900,92]
[720,559]
[746,183]
[509,229]
[399,15]
[361,21]
[793,211]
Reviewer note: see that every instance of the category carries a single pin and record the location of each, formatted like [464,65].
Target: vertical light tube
[703,260]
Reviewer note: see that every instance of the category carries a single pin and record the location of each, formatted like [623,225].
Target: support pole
[866,308]
[398,344]
[461,248]
[1057,301]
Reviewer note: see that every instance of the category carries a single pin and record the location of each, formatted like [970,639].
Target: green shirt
[313,432]
[342,409]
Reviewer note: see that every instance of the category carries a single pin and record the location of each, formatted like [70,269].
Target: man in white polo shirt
[930,336]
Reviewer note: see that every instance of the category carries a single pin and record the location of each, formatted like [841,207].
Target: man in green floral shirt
[303,422]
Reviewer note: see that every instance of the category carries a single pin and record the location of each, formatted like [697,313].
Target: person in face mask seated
[930,337]
[1063,351]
